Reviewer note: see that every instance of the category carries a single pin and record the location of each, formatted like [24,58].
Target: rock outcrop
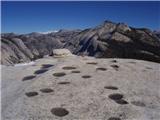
[108,40]
[14,51]
[61,53]
[117,41]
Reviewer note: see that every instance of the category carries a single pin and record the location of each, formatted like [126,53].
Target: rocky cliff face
[108,40]
[28,47]
[117,40]
[157,33]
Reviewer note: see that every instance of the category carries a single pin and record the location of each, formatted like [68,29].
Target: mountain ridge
[107,40]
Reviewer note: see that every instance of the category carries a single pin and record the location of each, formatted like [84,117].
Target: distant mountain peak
[108,21]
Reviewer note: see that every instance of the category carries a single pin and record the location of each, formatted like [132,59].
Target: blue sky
[25,17]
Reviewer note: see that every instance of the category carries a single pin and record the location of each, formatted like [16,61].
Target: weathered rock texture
[81,88]
[108,40]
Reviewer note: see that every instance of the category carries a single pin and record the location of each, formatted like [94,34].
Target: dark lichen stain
[31,94]
[28,77]
[114,118]
[69,68]
[64,83]
[60,112]
[92,63]
[75,71]
[46,90]
[121,101]
[101,69]
[115,96]
[40,71]
[111,87]
[47,65]
[86,76]
[59,74]
[115,67]
[114,61]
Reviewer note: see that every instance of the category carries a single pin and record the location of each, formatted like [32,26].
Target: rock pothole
[31,94]
[59,74]
[40,71]
[28,77]
[86,76]
[101,69]
[69,68]
[60,112]
[114,118]
[115,67]
[46,90]
[75,71]
[138,103]
[63,83]
[115,96]
[111,87]
[92,63]
[47,65]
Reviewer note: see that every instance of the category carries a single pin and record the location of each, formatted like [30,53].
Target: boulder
[61,53]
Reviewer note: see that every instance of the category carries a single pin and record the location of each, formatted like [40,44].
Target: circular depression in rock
[28,77]
[63,83]
[47,65]
[138,103]
[59,74]
[101,69]
[46,90]
[92,63]
[114,118]
[69,68]
[60,112]
[75,71]
[40,71]
[31,94]
[115,96]
[121,101]
[86,76]
[111,87]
